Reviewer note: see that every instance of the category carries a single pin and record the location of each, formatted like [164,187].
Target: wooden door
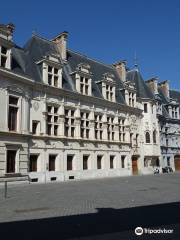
[11,161]
[177,163]
[33,163]
[134,166]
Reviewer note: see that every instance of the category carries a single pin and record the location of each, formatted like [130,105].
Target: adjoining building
[67,116]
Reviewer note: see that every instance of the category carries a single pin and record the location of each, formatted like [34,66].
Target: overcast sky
[108,30]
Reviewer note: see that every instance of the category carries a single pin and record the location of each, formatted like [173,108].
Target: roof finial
[135,60]
[34,32]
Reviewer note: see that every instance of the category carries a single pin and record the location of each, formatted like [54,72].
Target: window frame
[51,123]
[17,108]
[147,137]
[98,126]
[145,108]
[69,122]
[85,124]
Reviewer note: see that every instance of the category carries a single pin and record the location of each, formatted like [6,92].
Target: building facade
[66,116]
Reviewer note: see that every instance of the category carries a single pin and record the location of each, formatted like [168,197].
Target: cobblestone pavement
[106,206]
[79,197]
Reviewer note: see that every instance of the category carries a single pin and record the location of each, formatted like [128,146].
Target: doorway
[11,161]
[135,165]
[177,163]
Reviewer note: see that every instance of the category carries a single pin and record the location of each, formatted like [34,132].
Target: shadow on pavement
[105,221]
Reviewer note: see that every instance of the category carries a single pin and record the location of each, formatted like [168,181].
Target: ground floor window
[145,162]
[112,161]
[168,162]
[99,162]
[123,161]
[85,162]
[11,161]
[52,162]
[70,162]
[157,162]
[33,163]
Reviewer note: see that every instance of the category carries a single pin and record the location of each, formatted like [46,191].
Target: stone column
[170,110]
[61,120]
[91,125]
[44,119]
[77,122]
[77,79]
[26,114]
[116,128]
[104,120]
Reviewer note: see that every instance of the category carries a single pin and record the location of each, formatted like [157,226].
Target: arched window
[147,136]
[154,136]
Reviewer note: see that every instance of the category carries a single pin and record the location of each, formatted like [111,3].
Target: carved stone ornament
[36,106]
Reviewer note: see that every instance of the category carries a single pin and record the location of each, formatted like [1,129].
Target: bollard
[5,189]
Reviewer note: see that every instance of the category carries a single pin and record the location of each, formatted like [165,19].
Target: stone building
[66,116]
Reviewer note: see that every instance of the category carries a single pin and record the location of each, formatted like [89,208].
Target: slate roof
[24,61]
[97,69]
[175,95]
[143,90]
[162,96]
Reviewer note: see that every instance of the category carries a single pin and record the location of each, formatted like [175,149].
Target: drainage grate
[31,210]
[147,189]
[142,190]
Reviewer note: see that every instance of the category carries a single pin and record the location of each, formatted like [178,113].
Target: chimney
[6,31]
[153,84]
[165,88]
[121,69]
[61,41]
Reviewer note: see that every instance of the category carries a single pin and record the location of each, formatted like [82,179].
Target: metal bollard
[5,189]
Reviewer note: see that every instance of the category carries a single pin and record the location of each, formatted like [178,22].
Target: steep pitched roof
[97,69]
[162,96]
[175,95]
[143,91]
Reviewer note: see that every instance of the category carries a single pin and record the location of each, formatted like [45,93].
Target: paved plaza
[93,205]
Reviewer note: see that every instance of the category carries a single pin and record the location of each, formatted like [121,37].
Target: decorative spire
[34,32]
[135,61]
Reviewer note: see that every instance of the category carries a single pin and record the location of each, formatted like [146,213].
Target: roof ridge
[175,90]
[92,59]
[132,70]
[42,38]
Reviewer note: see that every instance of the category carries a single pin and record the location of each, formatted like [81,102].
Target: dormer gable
[108,86]
[83,79]
[129,93]
[51,70]
[6,44]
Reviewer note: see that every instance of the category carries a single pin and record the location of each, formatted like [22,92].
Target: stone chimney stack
[6,31]
[153,84]
[165,88]
[61,41]
[121,69]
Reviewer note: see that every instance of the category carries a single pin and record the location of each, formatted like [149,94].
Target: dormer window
[175,110]
[6,32]
[129,93]
[4,56]
[109,92]
[53,76]
[83,80]
[84,85]
[108,87]
[132,99]
[51,70]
